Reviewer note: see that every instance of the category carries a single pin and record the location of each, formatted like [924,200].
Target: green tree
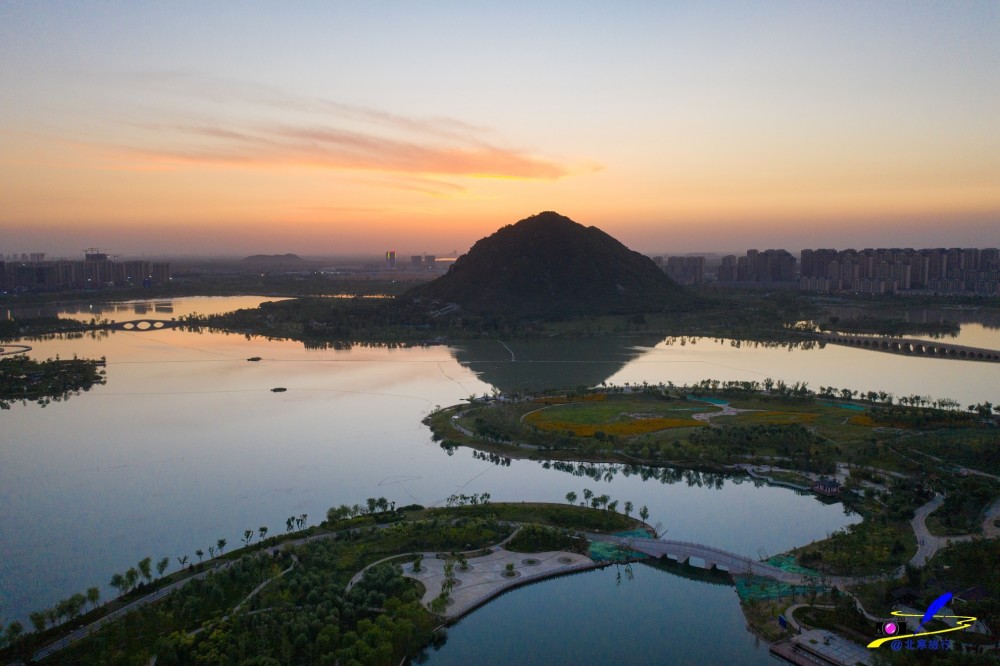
[262,530]
[162,565]
[247,536]
[38,620]
[75,604]
[628,507]
[118,582]
[146,568]
[131,578]
[182,561]
[644,513]
[93,596]
[221,545]
[14,632]
[587,494]
[571,497]
[200,553]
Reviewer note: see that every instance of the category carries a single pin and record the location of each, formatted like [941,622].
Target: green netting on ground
[635,534]
[712,401]
[787,563]
[609,552]
[756,587]
[853,408]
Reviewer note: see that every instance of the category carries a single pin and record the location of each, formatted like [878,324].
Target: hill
[549,265]
[283,259]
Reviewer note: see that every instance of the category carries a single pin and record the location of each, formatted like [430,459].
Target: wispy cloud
[349,150]
[317,132]
[188,84]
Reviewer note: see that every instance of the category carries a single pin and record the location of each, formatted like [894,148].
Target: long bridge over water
[142,325]
[913,347]
[714,558]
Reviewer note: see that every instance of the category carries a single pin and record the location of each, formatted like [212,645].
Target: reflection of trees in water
[684,341]
[94,334]
[667,475]
[989,318]
[674,568]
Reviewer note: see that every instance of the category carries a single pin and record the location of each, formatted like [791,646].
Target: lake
[607,616]
[186,443]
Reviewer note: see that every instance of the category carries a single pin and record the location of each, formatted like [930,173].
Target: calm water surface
[598,618]
[187,444]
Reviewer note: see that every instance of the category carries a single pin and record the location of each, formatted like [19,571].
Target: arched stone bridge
[143,325]
[914,347]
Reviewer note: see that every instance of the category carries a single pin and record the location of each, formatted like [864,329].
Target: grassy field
[657,427]
[773,418]
[622,418]
[552,515]
[865,548]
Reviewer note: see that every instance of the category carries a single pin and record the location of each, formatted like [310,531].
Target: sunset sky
[334,127]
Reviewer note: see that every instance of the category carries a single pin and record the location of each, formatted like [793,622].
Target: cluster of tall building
[96,271]
[758,267]
[880,271]
[418,262]
[684,270]
[869,271]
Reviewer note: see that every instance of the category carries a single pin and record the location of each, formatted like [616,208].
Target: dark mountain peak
[549,265]
[273,259]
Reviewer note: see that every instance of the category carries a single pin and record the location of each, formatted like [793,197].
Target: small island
[23,378]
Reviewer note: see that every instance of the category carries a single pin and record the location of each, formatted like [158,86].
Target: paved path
[6,350]
[83,632]
[990,529]
[790,614]
[486,577]
[927,543]
[725,410]
[94,626]
[755,472]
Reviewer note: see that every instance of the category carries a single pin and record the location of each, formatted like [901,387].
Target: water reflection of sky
[187,444]
[604,617]
[165,308]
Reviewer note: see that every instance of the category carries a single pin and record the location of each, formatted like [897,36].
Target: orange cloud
[336,148]
[299,130]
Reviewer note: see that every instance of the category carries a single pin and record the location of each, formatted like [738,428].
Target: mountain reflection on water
[533,365]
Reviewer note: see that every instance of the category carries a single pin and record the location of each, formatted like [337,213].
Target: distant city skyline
[334,128]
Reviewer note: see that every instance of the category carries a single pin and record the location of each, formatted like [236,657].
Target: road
[927,543]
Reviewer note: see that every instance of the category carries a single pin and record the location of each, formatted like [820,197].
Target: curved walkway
[929,544]
[725,410]
[97,624]
[84,632]
[486,576]
[356,578]
[8,350]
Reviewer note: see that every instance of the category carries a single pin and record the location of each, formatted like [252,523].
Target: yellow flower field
[621,429]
